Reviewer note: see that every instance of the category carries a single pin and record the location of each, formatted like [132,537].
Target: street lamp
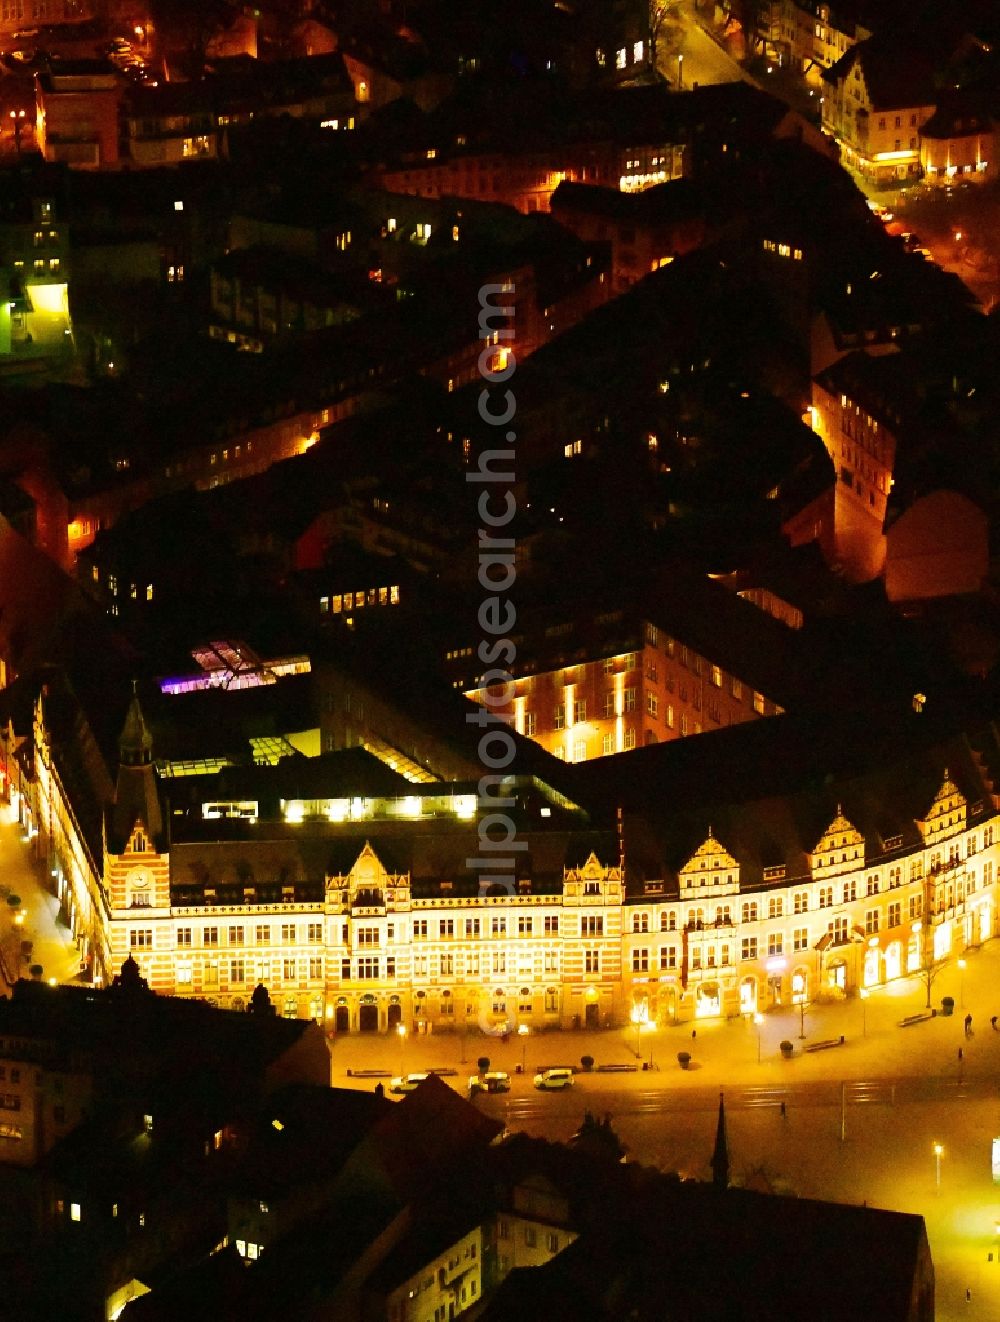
[17,124]
[680,71]
[961,983]
[864,994]
[758,1020]
[401,1030]
[938,1149]
[522,1031]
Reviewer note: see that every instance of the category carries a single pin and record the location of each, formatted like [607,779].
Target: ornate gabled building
[365,913]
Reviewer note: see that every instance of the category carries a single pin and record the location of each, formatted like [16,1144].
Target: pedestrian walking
[968,1025]
[694,1033]
[961,1053]
[783,1112]
[993,1023]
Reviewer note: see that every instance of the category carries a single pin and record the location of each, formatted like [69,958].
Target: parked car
[494,1081]
[406,1082]
[556,1078]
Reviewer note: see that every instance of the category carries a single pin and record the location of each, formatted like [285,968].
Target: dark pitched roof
[690,1250]
[897,75]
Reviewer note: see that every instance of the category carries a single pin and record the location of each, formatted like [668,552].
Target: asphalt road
[704,60]
[570,1102]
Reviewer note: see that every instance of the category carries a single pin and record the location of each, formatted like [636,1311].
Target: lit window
[74,1211]
[620,58]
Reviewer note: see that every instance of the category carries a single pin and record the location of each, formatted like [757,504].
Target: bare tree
[928,972]
[664,27]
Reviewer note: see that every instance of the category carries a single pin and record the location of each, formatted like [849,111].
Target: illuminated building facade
[860,434]
[849,921]
[316,901]
[358,950]
[611,700]
[958,144]
[877,99]
[78,113]
[34,301]
[527,181]
[14,14]
[811,36]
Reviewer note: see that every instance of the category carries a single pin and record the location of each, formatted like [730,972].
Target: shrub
[684,1059]
[484,1063]
[786,1047]
[587,1062]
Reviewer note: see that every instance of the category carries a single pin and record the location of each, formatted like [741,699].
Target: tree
[484,1063]
[664,27]
[598,1139]
[928,972]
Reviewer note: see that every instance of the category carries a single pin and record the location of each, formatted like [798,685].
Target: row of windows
[141,938]
[591,925]
[472,965]
[474,927]
[40,265]
[552,1241]
[243,970]
[349,601]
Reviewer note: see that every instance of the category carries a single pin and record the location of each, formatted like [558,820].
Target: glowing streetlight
[522,1031]
[961,983]
[680,70]
[17,124]
[864,993]
[758,1020]
[401,1030]
[938,1149]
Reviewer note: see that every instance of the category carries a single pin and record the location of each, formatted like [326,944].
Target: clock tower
[136,858]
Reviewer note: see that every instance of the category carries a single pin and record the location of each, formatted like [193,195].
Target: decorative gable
[368,885]
[841,848]
[711,870]
[592,883]
[947,815]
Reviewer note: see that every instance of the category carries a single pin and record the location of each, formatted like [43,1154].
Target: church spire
[720,1155]
[135,745]
[136,801]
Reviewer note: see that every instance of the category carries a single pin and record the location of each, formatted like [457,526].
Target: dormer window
[139,842]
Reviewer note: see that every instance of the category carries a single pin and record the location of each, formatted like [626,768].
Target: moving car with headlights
[406,1082]
[554,1078]
[493,1081]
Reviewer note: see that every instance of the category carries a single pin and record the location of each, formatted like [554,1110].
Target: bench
[540,1069]
[917,1018]
[369,1074]
[615,1069]
[826,1044]
[445,1073]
